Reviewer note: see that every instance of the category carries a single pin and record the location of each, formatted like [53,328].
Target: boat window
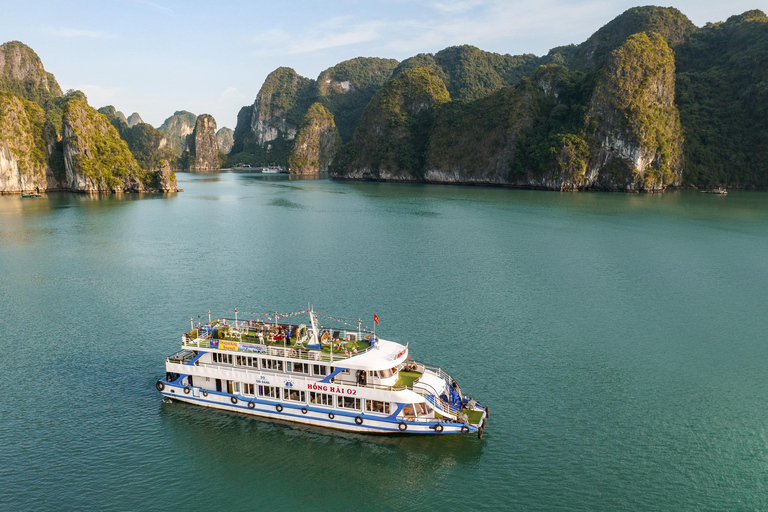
[255,362]
[320,399]
[237,387]
[294,394]
[229,358]
[269,391]
[385,374]
[272,364]
[298,367]
[248,388]
[348,402]
[377,406]
[408,410]
[319,369]
[421,409]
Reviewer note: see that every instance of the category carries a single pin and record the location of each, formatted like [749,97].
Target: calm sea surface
[621,341]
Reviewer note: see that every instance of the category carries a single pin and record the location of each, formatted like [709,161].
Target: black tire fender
[160,386]
[251,404]
[187,389]
[233,400]
[304,410]
[464,429]
[439,428]
[331,415]
[205,392]
[359,420]
[279,408]
[402,426]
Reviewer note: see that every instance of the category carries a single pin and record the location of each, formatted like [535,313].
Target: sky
[155,57]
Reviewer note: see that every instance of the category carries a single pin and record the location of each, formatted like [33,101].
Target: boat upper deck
[360,348]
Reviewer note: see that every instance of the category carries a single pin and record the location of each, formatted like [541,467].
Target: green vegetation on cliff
[393,133]
[346,89]
[21,130]
[633,102]
[316,143]
[668,22]
[470,73]
[176,128]
[722,93]
[97,150]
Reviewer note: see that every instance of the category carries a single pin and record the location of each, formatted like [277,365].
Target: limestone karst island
[649,101]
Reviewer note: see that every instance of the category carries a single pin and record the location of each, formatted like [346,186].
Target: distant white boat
[272,169]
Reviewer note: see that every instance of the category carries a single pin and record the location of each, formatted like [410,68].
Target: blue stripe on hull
[272,413]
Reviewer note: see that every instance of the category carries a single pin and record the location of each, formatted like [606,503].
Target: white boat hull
[317,416]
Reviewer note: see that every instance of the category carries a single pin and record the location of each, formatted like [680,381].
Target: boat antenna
[209,316]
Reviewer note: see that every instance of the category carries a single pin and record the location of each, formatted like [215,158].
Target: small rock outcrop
[225,139]
[316,144]
[202,153]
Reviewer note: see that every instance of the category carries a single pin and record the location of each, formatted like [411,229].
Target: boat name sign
[332,389]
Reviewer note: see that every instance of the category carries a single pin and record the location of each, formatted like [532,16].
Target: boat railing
[247,369]
[437,370]
[441,405]
[295,352]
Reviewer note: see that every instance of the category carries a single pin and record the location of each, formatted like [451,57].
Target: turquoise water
[620,341]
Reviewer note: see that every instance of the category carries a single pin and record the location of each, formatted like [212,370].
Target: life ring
[402,426]
[251,404]
[331,415]
[279,408]
[358,420]
[293,352]
[233,400]
[464,429]
[187,389]
[205,392]
[439,428]
[160,386]
[303,410]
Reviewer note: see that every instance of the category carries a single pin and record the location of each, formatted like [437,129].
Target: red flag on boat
[376,318]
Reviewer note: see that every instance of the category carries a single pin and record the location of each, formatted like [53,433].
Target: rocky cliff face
[134,119]
[633,118]
[225,139]
[202,147]
[115,117]
[176,129]
[279,106]
[27,140]
[22,73]
[346,88]
[316,143]
[668,22]
[617,129]
[96,159]
[390,141]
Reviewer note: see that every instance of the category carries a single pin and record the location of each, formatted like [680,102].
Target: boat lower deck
[351,421]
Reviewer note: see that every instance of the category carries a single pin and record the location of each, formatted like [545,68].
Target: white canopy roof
[385,354]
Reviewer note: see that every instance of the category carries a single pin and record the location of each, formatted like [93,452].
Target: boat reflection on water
[280,455]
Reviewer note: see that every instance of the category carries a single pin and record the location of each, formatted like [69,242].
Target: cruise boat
[346,378]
